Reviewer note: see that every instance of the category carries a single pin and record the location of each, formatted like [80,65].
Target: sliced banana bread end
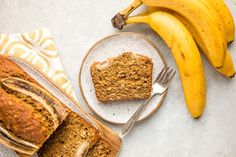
[74,137]
[102,149]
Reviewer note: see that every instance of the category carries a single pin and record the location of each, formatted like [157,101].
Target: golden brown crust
[21,119]
[9,68]
[128,76]
[21,114]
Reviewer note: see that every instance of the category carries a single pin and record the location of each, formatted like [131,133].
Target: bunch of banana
[228,67]
[179,23]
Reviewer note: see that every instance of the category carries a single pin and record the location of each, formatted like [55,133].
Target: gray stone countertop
[77,24]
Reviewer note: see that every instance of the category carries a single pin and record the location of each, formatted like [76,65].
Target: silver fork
[160,85]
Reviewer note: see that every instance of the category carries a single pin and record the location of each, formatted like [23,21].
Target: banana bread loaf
[128,76]
[29,116]
[28,113]
[73,138]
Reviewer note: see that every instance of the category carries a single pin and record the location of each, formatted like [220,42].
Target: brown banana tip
[197,117]
[230,42]
[232,76]
[118,21]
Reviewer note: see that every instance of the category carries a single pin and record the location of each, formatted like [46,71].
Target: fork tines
[165,76]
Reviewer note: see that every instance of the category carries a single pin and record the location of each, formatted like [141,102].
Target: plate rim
[85,57]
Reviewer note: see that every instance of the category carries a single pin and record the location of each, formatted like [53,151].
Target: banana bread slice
[102,149]
[73,138]
[128,76]
[28,113]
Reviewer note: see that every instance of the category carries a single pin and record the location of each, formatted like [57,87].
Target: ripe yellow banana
[226,18]
[211,33]
[228,67]
[211,6]
[222,14]
[186,55]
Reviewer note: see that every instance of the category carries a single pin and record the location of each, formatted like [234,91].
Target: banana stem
[118,21]
[137,19]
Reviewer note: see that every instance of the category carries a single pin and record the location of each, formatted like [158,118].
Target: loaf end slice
[102,149]
[75,136]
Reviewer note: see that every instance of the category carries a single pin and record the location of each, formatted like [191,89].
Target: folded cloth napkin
[38,49]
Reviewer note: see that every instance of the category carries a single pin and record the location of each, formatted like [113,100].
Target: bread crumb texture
[128,76]
[69,136]
[101,149]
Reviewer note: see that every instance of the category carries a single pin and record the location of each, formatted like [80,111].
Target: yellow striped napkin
[37,48]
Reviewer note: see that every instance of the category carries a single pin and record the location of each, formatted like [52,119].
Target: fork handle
[130,123]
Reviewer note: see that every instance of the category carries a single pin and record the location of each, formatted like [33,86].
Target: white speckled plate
[119,112]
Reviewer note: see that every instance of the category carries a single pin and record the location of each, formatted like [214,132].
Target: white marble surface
[77,24]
